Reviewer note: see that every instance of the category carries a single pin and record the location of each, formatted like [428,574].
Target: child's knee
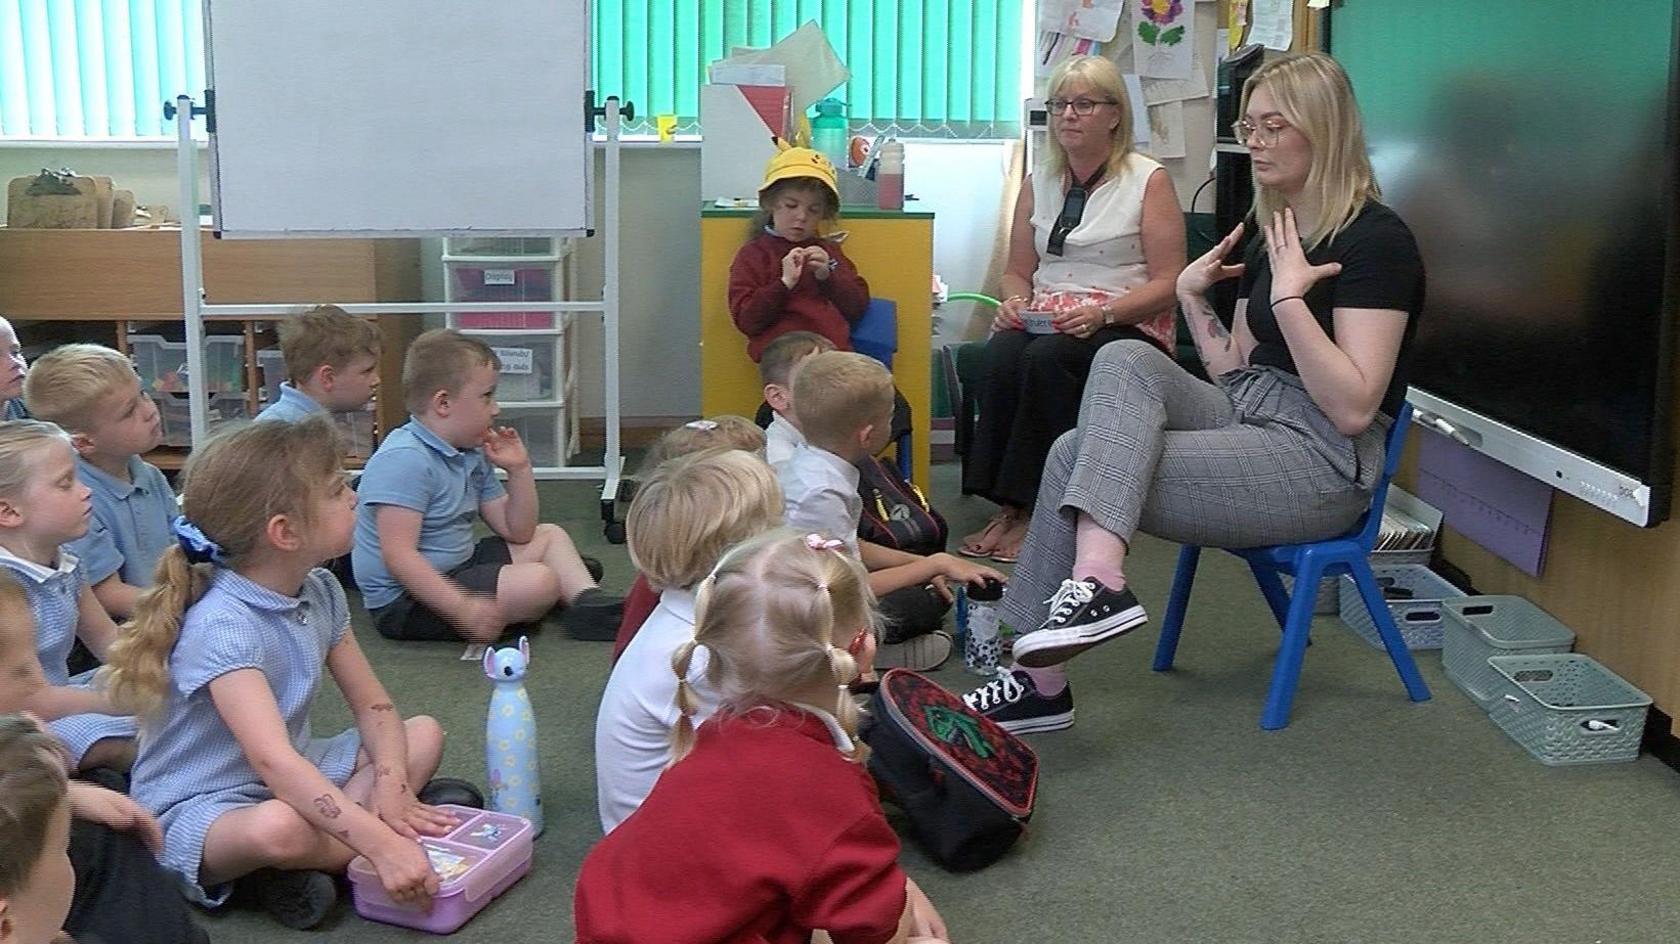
[284,836]
[425,736]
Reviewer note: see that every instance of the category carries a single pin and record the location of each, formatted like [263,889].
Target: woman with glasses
[1097,240]
[1288,442]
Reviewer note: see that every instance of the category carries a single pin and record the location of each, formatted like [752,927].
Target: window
[934,67]
[104,68]
[96,68]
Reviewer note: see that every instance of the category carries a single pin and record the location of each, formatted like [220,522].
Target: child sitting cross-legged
[43,506]
[332,364]
[422,575]
[844,404]
[684,517]
[93,392]
[767,826]
[223,662]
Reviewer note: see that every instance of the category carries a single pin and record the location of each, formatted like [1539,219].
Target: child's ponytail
[682,736]
[136,669]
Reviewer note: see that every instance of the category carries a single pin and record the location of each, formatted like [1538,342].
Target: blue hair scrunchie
[195,543]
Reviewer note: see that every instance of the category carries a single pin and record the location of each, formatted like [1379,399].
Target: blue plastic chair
[876,335]
[1308,563]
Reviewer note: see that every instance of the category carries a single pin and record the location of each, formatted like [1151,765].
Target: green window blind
[96,68]
[935,67]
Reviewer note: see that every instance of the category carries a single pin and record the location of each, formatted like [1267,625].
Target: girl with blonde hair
[223,662]
[779,826]
[43,505]
[1284,446]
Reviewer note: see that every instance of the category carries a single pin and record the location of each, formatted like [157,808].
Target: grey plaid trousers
[1245,462]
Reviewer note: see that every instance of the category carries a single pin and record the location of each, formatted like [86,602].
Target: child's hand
[817,260]
[967,571]
[406,873]
[395,803]
[925,921]
[112,809]
[505,450]
[481,619]
[792,264]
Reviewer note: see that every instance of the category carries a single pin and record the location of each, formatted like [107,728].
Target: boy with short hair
[776,369]
[332,364]
[421,575]
[12,370]
[93,393]
[844,405]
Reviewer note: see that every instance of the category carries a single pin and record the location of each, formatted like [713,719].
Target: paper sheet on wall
[1274,24]
[1236,22]
[1163,38]
[1085,19]
[1052,48]
[1161,91]
[1140,110]
[1166,131]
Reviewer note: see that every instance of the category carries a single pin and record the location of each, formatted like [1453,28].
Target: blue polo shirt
[130,527]
[414,468]
[292,406]
[15,410]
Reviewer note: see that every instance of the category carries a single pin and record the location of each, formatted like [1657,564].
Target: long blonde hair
[232,487]
[1314,95]
[1103,76]
[768,616]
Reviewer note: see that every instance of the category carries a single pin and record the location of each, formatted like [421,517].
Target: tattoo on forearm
[23,672]
[1216,330]
[328,808]
[343,836]
[383,706]
[383,771]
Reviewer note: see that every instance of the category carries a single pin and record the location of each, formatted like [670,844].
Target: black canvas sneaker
[1013,701]
[1083,613]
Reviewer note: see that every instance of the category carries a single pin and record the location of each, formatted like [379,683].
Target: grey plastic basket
[1418,617]
[1567,709]
[1496,625]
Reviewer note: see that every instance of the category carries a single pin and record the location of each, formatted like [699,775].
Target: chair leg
[1271,587]
[1177,603]
[1297,628]
[1416,689]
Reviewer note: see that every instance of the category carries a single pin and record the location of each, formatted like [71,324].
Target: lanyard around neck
[1073,210]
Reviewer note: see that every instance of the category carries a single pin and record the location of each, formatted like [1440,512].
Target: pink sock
[1108,574]
[1049,680]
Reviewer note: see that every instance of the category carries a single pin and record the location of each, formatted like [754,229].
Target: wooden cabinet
[118,277]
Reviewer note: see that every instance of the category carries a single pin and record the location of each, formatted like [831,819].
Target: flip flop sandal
[978,549]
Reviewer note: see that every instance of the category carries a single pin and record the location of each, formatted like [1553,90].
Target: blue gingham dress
[53,595]
[191,769]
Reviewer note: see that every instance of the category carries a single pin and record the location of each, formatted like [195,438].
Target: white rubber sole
[1047,647]
[1040,724]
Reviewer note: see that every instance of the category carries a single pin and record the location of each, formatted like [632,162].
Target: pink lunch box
[478,860]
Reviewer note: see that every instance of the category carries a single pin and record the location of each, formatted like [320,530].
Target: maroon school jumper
[765,309]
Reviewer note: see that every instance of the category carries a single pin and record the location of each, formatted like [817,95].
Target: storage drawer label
[515,360]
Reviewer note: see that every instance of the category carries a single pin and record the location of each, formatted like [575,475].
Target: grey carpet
[1165,814]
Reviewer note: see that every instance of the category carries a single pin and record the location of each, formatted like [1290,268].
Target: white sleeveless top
[1103,256]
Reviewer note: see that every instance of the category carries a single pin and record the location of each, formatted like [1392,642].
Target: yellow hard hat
[800,162]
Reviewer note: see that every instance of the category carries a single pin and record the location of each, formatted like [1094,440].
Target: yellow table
[892,249]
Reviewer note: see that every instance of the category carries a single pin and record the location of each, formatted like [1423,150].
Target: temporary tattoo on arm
[344,836]
[383,771]
[328,808]
[23,671]
[383,706]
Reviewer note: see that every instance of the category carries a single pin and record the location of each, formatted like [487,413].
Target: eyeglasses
[1081,106]
[1242,129]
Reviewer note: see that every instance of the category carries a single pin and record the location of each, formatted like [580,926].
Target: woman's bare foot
[1008,547]
[984,542]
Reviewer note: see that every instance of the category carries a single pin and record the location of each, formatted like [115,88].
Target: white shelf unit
[538,385]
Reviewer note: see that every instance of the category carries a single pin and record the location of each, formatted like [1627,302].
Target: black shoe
[298,899]
[596,569]
[1013,701]
[594,616]
[441,791]
[1082,614]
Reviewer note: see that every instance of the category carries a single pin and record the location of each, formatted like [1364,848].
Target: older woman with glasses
[1285,446]
[1097,240]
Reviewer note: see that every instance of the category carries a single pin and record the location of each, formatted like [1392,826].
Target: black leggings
[1030,396]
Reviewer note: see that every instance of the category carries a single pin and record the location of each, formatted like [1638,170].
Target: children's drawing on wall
[1163,36]
[1083,19]
[1054,47]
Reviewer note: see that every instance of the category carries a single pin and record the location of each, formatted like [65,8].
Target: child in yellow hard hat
[788,277]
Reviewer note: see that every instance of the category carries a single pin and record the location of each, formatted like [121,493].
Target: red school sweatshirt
[765,309]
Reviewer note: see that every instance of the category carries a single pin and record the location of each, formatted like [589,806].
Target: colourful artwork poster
[1096,20]
[1163,38]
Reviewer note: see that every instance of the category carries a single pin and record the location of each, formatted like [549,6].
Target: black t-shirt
[1381,268]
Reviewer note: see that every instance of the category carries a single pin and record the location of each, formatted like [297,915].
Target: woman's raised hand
[1292,274]
[1200,275]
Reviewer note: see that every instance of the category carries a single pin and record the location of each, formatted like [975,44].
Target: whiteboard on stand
[398,118]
